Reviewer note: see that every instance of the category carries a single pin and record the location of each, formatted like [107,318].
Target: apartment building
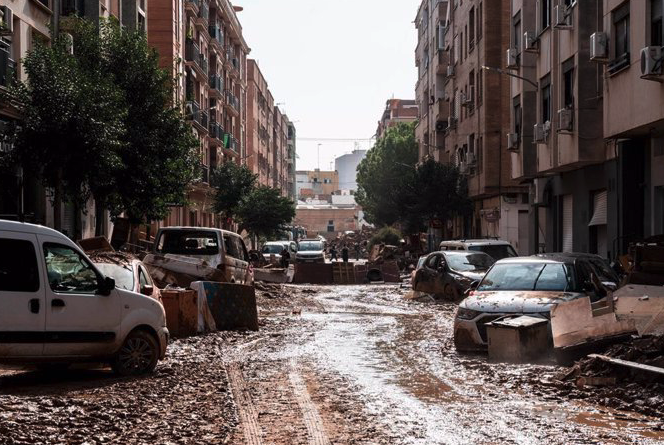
[22,24]
[201,41]
[317,184]
[291,156]
[628,49]
[397,111]
[470,35]
[279,152]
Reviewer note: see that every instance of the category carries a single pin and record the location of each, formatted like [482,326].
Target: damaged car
[128,272]
[450,274]
[523,286]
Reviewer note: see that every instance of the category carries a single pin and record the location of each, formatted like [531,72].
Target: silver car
[525,285]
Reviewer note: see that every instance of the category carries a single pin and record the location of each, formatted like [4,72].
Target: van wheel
[137,356]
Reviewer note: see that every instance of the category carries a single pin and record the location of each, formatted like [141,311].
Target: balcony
[190,5]
[198,119]
[215,33]
[203,64]
[232,101]
[204,173]
[216,86]
[203,13]
[204,120]
[216,132]
[191,51]
[234,145]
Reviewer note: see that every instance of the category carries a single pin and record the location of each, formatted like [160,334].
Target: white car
[310,251]
[56,307]
[274,248]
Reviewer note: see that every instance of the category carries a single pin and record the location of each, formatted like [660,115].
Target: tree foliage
[264,212]
[393,188]
[102,122]
[231,183]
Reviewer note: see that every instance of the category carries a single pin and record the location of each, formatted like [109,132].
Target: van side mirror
[106,286]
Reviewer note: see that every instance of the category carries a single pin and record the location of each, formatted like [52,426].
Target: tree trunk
[99,219]
[57,203]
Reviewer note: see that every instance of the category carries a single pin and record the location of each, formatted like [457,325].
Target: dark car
[599,266]
[451,273]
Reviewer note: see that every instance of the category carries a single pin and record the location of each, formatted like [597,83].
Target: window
[471,28]
[68,271]
[621,30]
[479,87]
[516,32]
[479,22]
[545,14]
[144,277]
[188,242]
[19,271]
[546,99]
[656,30]
[568,84]
[330,226]
[231,246]
[517,116]
[471,84]
[122,274]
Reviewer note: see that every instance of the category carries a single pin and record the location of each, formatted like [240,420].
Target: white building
[346,165]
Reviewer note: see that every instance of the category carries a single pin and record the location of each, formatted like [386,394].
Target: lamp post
[319,156]
[507,73]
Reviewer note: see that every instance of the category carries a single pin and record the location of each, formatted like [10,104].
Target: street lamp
[319,156]
[508,73]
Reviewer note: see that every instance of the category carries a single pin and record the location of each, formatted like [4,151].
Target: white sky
[334,63]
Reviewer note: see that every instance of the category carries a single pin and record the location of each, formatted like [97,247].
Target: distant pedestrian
[344,254]
[333,254]
[358,249]
[285,258]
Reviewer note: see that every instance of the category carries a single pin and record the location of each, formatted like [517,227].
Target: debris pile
[630,385]
[351,240]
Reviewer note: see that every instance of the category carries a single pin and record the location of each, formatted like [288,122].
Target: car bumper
[163,341]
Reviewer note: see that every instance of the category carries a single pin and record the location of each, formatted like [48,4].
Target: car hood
[526,302]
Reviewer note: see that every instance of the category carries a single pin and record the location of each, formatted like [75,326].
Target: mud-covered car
[523,285]
[129,272]
[450,274]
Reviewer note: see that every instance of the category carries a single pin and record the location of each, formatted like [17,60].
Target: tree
[231,182]
[72,123]
[386,173]
[264,212]
[159,153]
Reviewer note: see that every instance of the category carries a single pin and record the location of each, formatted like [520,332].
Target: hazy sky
[333,63]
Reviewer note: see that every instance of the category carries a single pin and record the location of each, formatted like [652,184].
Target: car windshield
[529,276]
[188,242]
[273,248]
[495,251]
[471,262]
[123,275]
[310,246]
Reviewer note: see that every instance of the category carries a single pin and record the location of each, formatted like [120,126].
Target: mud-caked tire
[138,355]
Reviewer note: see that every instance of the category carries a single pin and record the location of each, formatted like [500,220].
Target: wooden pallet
[343,273]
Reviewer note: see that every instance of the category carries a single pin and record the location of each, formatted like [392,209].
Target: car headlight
[466,314]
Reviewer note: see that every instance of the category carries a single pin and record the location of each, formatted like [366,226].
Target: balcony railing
[233,144]
[216,132]
[215,33]
[203,63]
[191,52]
[204,10]
[204,119]
[193,111]
[232,100]
[216,83]
[194,2]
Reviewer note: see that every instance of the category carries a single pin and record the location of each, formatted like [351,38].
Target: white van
[57,308]
[219,249]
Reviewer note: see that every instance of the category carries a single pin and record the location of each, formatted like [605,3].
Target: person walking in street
[344,254]
[357,251]
[333,254]
[285,258]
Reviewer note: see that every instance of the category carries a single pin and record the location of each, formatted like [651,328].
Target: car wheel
[138,355]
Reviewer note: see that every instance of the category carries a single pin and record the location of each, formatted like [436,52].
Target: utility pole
[319,156]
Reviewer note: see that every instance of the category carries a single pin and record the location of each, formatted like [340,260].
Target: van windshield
[188,242]
[273,248]
[495,251]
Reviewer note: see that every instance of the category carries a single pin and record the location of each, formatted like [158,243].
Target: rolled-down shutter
[599,211]
[568,219]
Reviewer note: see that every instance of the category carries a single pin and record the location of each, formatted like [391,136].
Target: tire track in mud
[312,419]
[246,408]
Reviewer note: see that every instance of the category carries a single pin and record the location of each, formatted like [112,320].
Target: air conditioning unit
[441,126]
[651,62]
[538,133]
[512,58]
[565,119]
[512,141]
[451,122]
[530,42]
[561,17]
[450,70]
[599,47]
[471,160]
[7,23]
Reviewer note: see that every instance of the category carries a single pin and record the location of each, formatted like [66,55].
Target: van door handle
[34,305]
[57,303]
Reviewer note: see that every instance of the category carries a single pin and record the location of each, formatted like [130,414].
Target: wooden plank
[633,365]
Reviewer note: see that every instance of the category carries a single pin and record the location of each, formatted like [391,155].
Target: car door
[426,276]
[242,260]
[22,308]
[79,321]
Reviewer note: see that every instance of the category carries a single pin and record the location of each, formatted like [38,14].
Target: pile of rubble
[628,375]
[351,239]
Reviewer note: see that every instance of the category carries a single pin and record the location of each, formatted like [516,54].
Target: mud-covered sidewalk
[335,365]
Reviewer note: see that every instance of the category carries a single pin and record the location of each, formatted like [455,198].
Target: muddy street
[330,365]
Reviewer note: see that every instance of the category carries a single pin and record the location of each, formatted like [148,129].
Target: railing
[232,100]
[233,144]
[204,10]
[216,83]
[203,63]
[193,111]
[191,51]
[204,119]
[216,132]
[215,33]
